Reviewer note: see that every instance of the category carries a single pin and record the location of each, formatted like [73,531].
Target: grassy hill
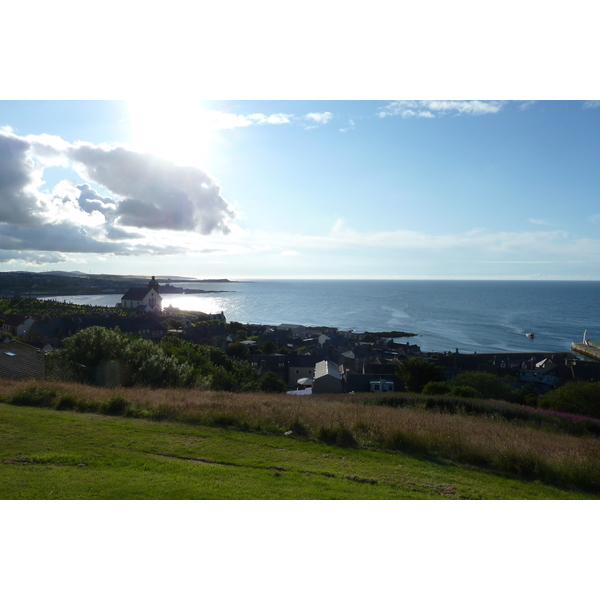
[75,442]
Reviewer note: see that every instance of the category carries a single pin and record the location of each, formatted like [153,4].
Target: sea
[471,316]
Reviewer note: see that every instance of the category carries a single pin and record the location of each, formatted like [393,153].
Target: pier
[586,348]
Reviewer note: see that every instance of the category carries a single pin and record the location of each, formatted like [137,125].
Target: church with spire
[143,299]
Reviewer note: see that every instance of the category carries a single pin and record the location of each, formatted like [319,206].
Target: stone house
[300,367]
[274,363]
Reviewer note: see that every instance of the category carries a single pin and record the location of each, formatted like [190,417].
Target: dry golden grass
[534,453]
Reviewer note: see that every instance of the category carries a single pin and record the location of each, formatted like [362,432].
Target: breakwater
[589,349]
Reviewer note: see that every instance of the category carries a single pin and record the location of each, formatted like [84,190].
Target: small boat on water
[529,335]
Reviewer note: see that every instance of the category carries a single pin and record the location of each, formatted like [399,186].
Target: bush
[226,421]
[87,405]
[297,427]
[464,391]
[35,396]
[117,405]
[66,402]
[488,385]
[436,388]
[338,435]
[581,398]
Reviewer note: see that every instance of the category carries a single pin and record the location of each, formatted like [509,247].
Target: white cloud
[591,104]
[431,108]
[350,126]
[32,259]
[540,222]
[526,105]
[147,194]
[320,118]
[277,119]
[220,120]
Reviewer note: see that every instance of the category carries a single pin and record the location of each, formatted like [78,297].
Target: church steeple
[153,284]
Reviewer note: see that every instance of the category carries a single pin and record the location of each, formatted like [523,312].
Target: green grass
[49,454]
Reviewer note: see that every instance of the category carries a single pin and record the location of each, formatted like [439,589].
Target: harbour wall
[591,349]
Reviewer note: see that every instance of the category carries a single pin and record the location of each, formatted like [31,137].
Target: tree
[271,383]
[97,355]
[87,350]
[238,376]
[237,350]
[417,372]
[268,347]
[173,324]
[487,384]
[150,366]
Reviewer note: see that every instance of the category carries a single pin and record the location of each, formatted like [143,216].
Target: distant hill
[64,283]
[124,277]
[67,273]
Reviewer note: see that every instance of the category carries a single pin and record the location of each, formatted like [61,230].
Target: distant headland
[76,283]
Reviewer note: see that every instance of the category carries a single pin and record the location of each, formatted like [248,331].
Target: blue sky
[345,189]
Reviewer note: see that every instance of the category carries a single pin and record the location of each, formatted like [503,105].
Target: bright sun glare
[178,130]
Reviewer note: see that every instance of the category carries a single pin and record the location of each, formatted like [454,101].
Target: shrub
[465,391]
[299,428]
[164,412]
[117,405]
[225,421]
[338,435]
[436,388]
[581,398]
[87,405]
[488,385]
[35,396]
[66,402]
[529,395]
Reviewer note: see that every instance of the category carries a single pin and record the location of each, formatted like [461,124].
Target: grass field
[48,454]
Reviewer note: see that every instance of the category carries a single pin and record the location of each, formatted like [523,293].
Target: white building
[147,299]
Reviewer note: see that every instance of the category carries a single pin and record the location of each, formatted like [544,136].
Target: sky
[302,189]
[262,142]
